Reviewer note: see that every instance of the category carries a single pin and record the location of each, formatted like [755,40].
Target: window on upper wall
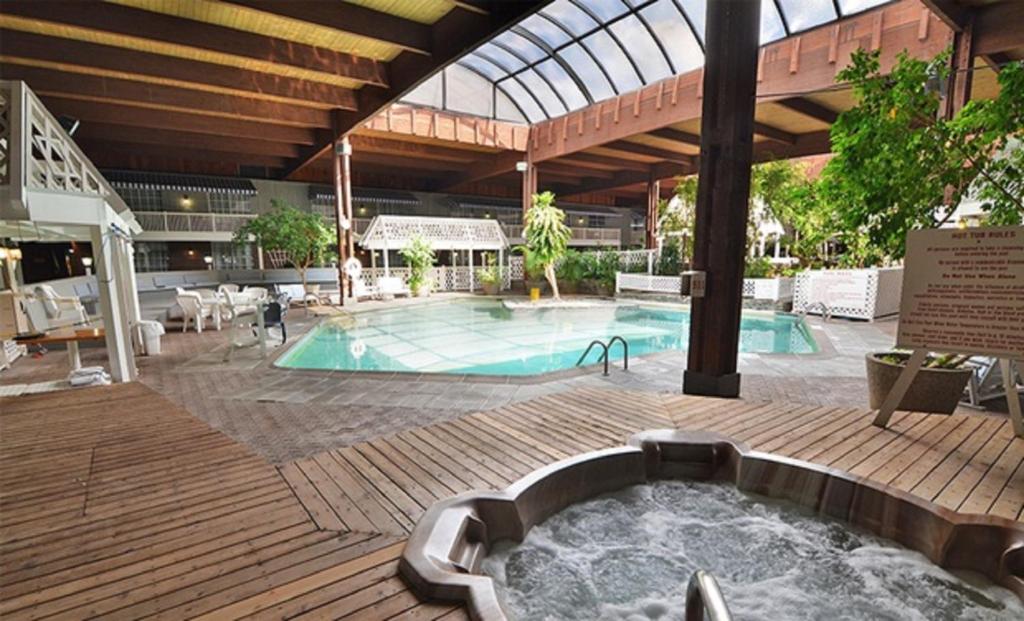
[228,255]
[152,257]
[231,203]
[142,199]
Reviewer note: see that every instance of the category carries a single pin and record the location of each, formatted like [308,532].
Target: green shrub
[760,267]
[419,256]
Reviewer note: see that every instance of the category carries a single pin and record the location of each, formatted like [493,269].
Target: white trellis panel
[856,294]
[647,282]
[773,289]
[442,233]
[445,278]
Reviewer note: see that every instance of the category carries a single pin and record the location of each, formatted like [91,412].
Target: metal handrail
[826,312]
[703,594]
[625,350]
[604,356]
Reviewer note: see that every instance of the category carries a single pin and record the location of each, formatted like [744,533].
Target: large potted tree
[547,236]
[937,387]
[420,258]
[302,237]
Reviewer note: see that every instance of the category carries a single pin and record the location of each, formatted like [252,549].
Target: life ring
[357,349]
[353,268]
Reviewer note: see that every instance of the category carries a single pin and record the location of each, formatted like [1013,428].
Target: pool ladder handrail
[704,595]
[604,356]
[826,312]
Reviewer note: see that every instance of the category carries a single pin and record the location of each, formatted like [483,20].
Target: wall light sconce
[191,253]
[362,211]
[522,166]
[186,202]
[87,264]
[209,262]
[580,221]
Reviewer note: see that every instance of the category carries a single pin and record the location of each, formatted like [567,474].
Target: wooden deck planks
[128,511]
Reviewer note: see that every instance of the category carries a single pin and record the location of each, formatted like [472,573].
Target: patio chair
[258,294]
[361,290]
[244,308]
[392,286]
[48,310]
[227,288]
[193,310]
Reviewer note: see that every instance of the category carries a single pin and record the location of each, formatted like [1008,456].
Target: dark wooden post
[529,170]
[723,192]
[961,70]
[653,196]
[343,210]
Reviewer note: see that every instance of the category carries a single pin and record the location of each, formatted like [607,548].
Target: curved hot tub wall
[443,555]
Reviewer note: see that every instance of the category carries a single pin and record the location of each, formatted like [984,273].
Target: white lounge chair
[361,290]
[227,288]
[48,310]
[391,286]
[257,294]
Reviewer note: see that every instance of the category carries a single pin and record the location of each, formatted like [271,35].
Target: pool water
[630,554]
[482,337]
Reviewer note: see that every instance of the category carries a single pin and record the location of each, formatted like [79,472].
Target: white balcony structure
[581,236]
[49,191]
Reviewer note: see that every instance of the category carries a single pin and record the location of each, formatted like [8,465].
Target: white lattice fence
[445,278]
[647,282]
[774,289]
[856,294]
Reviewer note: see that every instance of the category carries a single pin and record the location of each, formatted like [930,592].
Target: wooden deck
[116,503]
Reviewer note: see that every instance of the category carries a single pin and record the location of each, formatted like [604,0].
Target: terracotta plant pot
[489,288]
[933,390]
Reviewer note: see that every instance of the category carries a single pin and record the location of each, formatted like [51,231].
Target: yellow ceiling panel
[171,49]
[246,19]
[149,79]
[423,11]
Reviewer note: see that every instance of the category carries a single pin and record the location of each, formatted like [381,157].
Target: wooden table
[71,337]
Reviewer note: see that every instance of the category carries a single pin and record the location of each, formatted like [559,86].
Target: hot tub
[447,552]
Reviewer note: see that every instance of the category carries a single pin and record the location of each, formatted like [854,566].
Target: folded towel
[87,371]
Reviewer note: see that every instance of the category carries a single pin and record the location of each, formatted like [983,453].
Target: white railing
[37,154]
[176,221]
[648,282]
[445,278]
[778,289]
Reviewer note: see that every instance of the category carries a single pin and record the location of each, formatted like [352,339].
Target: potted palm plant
[489,276]
[937,387]
[419,256]
[547,236]
[570,271]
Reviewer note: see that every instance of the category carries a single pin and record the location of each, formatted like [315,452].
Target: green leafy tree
[303,237]
[419,256]
[547,236]
[899,166]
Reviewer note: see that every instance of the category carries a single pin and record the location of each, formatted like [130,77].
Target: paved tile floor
[287,414]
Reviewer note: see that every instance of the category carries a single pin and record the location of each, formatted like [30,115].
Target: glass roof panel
[697,11]
[668,25]
[573,52]
[543,91]
[500,57]
[570,16]
[545,29]
[588,71]
[853,6]
[804,14]
[563,83]
[484,66]
[521,46]
[524,100]
[772,27]
[614,61]
[468,92]
[604,10]
[645,52]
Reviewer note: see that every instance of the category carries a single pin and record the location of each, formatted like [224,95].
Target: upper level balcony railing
[37,154]
[177,221]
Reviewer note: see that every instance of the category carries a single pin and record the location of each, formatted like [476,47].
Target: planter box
[774,289]
[933,390]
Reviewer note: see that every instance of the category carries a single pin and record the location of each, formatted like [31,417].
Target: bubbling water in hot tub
[628,555]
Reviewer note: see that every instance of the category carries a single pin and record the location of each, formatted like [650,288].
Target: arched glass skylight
[573,53]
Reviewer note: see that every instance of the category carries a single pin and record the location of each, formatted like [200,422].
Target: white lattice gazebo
[466,234]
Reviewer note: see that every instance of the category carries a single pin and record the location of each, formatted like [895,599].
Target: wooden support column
[343,210]
[723,192]
[961,74]
[653,196]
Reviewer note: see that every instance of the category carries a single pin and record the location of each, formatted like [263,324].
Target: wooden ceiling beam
[484,167]
[454,34]
[647,151]
[375,144]
[676,135]
[92,111]
[809,108]
[591,160]
[185,140]
[774,133]
[952,14]
[130,149]
[350,18]
[83,57]
[137,24]
[187,101]
[997,29]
